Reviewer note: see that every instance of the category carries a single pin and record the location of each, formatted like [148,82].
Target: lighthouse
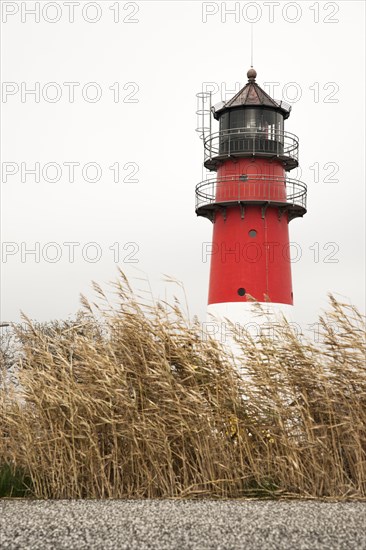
[250,201]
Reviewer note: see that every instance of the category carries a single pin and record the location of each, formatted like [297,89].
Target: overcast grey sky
[116,88]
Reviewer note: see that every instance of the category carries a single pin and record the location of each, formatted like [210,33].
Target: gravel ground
[174,524]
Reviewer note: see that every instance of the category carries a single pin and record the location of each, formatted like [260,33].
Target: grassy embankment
[132,402]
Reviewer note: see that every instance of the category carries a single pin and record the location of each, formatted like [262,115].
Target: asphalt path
[177,524]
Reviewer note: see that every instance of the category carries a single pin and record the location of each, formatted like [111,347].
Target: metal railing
[251,141]
[204,114]
[251,188]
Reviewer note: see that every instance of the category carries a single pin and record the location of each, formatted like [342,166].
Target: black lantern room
[252,124]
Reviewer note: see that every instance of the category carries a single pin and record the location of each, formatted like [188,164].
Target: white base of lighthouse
[230,320]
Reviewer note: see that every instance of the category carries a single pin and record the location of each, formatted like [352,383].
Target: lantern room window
[242,129]
[257,119]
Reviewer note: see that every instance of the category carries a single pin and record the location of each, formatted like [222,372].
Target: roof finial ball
[251,74]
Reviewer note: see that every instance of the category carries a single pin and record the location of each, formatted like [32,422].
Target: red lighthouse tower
[250,202]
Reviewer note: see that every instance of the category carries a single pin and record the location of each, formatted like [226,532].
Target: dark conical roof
[252,95]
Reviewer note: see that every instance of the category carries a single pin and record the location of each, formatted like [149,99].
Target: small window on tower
[252,233]
[241,291]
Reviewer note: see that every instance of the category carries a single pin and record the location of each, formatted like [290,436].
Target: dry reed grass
[130,401]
